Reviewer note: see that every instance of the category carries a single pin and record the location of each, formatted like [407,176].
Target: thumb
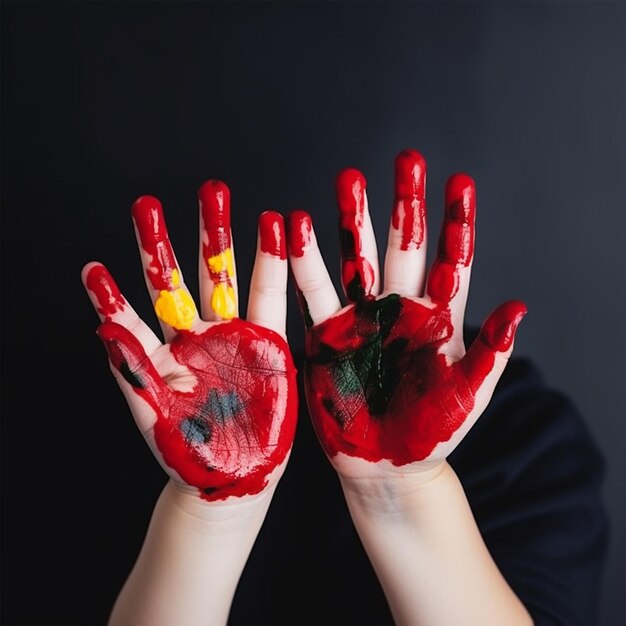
[129,359]
[490,351]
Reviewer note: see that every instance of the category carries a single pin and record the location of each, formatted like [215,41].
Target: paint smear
[409,205]
[357,273]
[214,199]
[173,304]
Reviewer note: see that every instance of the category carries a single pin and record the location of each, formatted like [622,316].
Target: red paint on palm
[147,213]
[237,424]
[409,205]
[110,300]
[378,385]
[357,274]
[272,234]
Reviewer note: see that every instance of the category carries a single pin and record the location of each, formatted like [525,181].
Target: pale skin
[413,519]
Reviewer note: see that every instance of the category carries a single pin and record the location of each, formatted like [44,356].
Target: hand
[388,382]
[217,400]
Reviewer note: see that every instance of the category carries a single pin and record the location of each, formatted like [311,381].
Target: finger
[218,282]
[172,301]
[359,255]
[314,287]
[134,371]
[449,277]
[488,354]
[267,302]
[111,305]
[405,259]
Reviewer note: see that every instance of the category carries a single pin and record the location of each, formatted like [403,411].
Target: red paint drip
[409,206]
[214,199]
[110,300]
[148,215]
[299,231]
[456,242]
[272,234]
[228,434]
[356,272]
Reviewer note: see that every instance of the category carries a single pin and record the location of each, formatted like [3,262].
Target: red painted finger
[405,259]
[218,285]
[172,301]
[111,305]
[267,303]
[494,340]
[128,357]
[449,275]
[315,291]
[359,256]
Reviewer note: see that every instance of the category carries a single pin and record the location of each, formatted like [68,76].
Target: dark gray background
[103,102]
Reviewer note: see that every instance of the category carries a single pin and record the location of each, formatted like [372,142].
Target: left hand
[216,399]
[389,384]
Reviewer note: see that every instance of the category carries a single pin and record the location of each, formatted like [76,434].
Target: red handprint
[388,377]
[218,401]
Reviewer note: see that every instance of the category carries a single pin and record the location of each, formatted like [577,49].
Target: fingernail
[350,190]
[100,282]
[409,206]
[147,212]
[299,232]
[499,332]
[272,234]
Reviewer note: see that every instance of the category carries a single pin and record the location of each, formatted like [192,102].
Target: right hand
[389,384]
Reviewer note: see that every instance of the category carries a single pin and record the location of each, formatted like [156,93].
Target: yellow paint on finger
[223,301]
[175,278]
[176,308]
[222,262]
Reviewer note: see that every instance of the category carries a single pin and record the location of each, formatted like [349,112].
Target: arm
[191,560]
[392,390]
[427,552]
[216,402]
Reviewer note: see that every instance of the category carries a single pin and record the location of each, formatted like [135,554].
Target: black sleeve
[533,476]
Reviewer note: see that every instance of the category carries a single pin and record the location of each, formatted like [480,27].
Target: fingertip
[460,195]
[86,270]
[272,234]
[498,330]
[145,204]
[410,174]
[350,186]
[299,228]
[147,211]
[214,199]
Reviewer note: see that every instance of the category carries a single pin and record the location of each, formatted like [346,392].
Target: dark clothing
[532,474]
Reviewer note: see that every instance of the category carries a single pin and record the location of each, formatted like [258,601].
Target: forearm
[190,562]
[423,542]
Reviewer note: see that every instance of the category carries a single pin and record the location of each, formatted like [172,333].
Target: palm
[378,380]
[218,405]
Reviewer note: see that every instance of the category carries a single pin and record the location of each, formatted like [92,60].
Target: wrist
[394,494]
[231,513]
[188,500]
